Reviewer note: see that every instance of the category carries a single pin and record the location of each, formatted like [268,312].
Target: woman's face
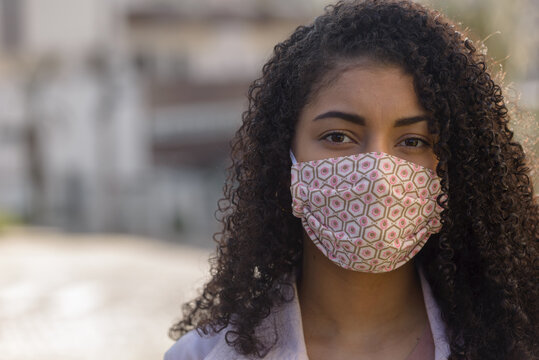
[366,108]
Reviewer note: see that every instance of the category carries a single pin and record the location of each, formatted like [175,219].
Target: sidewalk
[66,297]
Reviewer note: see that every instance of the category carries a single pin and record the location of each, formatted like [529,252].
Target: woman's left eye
[414,142]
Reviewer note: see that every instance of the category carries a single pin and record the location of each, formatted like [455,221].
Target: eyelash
[425,143]
[326,137]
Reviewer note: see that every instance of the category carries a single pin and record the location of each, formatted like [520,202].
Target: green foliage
[7,220]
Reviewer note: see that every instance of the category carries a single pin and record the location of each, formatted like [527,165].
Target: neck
[335,301]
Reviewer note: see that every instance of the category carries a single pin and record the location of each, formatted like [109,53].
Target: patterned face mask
[368,212]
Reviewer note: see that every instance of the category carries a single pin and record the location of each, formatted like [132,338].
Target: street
[65,296]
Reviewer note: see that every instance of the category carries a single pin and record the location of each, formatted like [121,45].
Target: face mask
[368,212]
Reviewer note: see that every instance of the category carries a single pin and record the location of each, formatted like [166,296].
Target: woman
[413,229]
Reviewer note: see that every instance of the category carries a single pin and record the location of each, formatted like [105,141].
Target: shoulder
[193,346]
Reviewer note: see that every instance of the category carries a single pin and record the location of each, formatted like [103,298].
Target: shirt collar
[283,328]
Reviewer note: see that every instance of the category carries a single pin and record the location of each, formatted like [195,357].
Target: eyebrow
[360,120]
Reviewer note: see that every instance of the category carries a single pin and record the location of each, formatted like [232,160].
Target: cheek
[434,164]
[432,161]
[428,161]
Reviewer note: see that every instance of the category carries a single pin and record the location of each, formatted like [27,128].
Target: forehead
[367,89]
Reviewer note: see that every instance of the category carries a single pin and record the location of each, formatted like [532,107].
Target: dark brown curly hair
[482,266]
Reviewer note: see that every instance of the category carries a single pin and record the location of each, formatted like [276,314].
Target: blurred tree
[511,41]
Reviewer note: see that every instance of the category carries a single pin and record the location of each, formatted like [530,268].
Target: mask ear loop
[293,158]
[294,162]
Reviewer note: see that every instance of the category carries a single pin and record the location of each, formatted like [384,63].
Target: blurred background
[115,120]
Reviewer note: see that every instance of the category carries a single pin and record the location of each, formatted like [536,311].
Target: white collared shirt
[290,343]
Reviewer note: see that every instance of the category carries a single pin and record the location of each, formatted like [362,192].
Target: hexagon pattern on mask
[368,212]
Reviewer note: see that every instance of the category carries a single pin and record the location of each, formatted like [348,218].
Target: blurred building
[197,63]
[115,115]
[77,128]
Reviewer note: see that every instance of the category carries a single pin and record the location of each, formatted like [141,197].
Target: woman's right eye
[337,137]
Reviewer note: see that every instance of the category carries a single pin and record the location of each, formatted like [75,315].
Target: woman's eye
[337,137]
[414,142]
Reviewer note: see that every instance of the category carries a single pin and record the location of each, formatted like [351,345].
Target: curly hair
[482,265]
